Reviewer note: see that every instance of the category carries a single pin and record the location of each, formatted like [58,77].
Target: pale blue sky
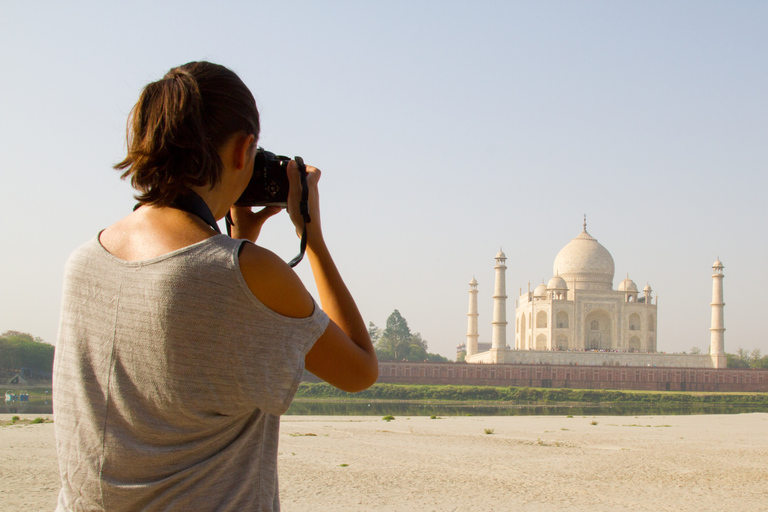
[444,130]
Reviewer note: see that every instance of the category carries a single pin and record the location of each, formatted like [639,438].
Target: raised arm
[343,355]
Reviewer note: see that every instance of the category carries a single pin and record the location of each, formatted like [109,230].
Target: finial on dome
[585,222]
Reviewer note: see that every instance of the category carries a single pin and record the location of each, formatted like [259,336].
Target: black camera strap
[303,209]
[194,204]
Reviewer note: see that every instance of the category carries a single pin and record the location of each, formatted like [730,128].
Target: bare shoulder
[274,283]
[118,239]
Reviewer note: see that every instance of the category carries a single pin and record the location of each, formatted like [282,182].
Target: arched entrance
[541,319]
[598,330]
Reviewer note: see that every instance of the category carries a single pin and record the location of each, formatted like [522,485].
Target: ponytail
[177,127]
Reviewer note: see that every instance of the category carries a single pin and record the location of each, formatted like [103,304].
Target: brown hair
[177,127]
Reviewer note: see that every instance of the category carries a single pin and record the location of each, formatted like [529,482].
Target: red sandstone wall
[576,377]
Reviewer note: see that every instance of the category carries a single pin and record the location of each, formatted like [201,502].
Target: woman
[179,348]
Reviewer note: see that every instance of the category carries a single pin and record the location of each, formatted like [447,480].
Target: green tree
[695,350]
[738,360]
[437,358]
[22,350]
[397,343]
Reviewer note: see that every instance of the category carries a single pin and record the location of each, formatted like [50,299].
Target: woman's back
[174,392]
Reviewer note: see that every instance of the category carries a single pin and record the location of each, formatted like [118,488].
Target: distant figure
[179,347]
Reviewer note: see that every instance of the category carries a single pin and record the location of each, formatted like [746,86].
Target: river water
[328,408]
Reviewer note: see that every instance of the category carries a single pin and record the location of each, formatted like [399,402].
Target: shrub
[488,431]
[388,417]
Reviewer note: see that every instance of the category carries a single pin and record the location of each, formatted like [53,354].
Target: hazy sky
[445,130]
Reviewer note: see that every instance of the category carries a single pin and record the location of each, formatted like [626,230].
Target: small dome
[473,282]
[627,285]
[718,264]
[557,283]
[501,255]
[540,291]
[647,288]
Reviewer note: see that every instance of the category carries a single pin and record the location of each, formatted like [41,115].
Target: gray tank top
[169,380]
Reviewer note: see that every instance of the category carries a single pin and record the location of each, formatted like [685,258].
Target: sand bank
[542,463]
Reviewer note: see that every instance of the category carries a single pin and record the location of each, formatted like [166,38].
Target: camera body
[269,182]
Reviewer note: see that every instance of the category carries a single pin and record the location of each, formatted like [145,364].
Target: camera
[269,182]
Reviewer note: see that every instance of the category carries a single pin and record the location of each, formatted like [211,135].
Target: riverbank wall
[575,377]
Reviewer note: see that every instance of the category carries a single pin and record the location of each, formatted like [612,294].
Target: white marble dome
[540,291]
[557,283]
[585,264]
[627,285]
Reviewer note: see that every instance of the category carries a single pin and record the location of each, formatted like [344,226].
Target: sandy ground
[541,463]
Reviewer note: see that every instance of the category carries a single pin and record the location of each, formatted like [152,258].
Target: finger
[313,174]
[267,212]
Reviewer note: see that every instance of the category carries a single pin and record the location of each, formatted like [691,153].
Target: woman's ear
[243,149]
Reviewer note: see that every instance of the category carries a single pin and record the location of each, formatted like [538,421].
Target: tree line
[22,350]
[396,342]
[743,358]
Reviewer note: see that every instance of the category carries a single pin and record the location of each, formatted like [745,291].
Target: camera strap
[194,204]
[303,209]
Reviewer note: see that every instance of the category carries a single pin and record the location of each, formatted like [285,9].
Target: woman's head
[177,127]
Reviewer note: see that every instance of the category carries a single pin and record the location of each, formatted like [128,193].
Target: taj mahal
[578,318]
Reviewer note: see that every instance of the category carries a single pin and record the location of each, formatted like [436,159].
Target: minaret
[472,319]
[717,345]
[499,340]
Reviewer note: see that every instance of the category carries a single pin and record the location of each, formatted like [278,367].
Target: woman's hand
[314,231]
[247,223]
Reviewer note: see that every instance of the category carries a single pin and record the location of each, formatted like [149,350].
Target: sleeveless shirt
[169,380]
